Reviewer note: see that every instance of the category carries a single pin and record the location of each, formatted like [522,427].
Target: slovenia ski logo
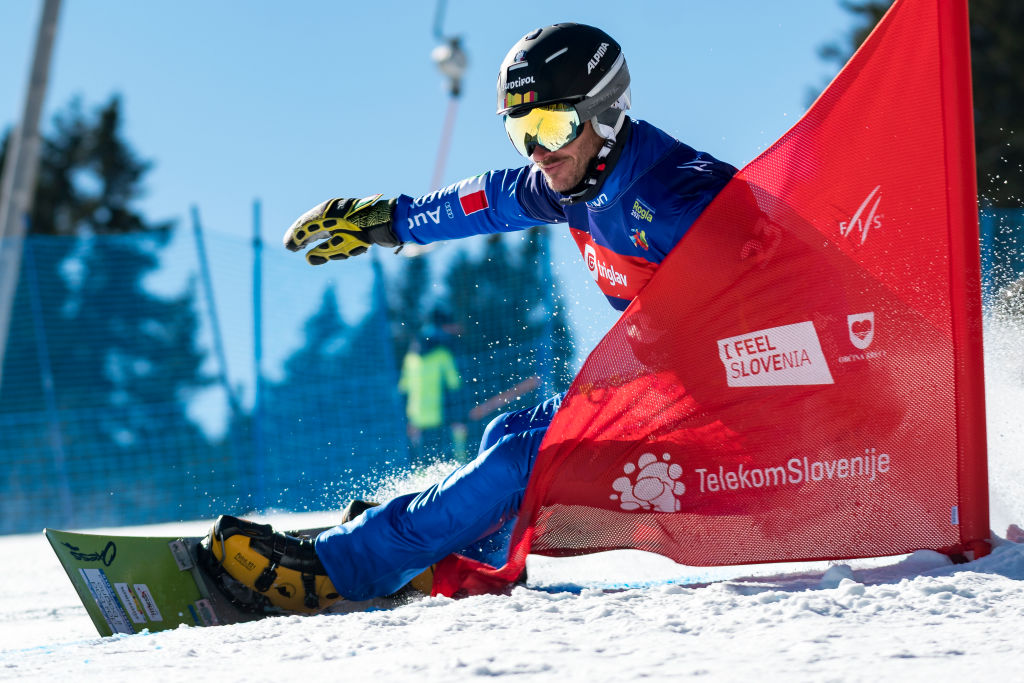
[861,224]
[651,485]
[862,329]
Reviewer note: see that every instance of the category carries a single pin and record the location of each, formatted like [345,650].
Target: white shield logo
[862,329]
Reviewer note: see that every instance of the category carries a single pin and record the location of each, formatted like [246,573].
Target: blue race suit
[656,190]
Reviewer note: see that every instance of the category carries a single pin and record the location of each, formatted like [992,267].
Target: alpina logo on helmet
[519,82]
[592,64]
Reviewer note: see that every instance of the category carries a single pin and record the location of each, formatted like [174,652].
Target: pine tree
[123,361]
[334,418]
[408,308]
[303,412]
[548,318]
[512,319]
[997,68]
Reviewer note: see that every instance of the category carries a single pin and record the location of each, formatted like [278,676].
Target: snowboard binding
[264,571]
[270,572]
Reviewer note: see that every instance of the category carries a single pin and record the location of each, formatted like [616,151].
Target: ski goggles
[552,127]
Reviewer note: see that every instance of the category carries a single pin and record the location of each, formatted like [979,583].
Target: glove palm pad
[349,227]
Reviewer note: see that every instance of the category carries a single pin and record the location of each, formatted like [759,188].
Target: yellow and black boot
[267,569]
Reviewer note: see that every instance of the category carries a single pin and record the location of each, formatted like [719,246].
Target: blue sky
[294,103]
[301,101]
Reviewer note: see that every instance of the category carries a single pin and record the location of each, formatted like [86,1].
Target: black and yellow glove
[349,227]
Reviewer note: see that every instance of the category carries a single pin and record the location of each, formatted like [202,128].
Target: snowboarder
[628,191]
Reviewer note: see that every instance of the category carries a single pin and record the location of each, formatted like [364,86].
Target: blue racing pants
[471,512]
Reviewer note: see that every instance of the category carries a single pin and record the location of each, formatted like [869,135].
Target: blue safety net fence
[143,382]
[1002,248]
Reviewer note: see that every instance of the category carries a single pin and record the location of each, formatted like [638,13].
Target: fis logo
[860,223]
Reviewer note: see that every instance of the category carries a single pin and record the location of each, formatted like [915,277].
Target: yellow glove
[350,226]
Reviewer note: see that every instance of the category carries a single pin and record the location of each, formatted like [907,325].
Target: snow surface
[915,617]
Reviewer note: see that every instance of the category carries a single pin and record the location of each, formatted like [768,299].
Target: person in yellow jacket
[428,374]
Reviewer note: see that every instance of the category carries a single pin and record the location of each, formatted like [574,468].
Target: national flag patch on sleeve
[473,194]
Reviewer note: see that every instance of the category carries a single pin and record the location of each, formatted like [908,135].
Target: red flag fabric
[802,378]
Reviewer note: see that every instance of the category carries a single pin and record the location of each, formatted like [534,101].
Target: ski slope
[909,618]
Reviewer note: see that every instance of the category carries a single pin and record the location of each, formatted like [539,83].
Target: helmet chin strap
[604,161]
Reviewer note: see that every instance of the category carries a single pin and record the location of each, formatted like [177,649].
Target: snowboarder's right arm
[344,228]
[497,201]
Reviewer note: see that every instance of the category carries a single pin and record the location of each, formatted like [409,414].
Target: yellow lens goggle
[552,127]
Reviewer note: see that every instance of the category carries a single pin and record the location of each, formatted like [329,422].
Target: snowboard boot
[262,570]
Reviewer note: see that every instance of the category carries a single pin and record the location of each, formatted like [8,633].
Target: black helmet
[567,63]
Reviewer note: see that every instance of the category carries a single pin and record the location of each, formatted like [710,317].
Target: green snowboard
[134,583]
